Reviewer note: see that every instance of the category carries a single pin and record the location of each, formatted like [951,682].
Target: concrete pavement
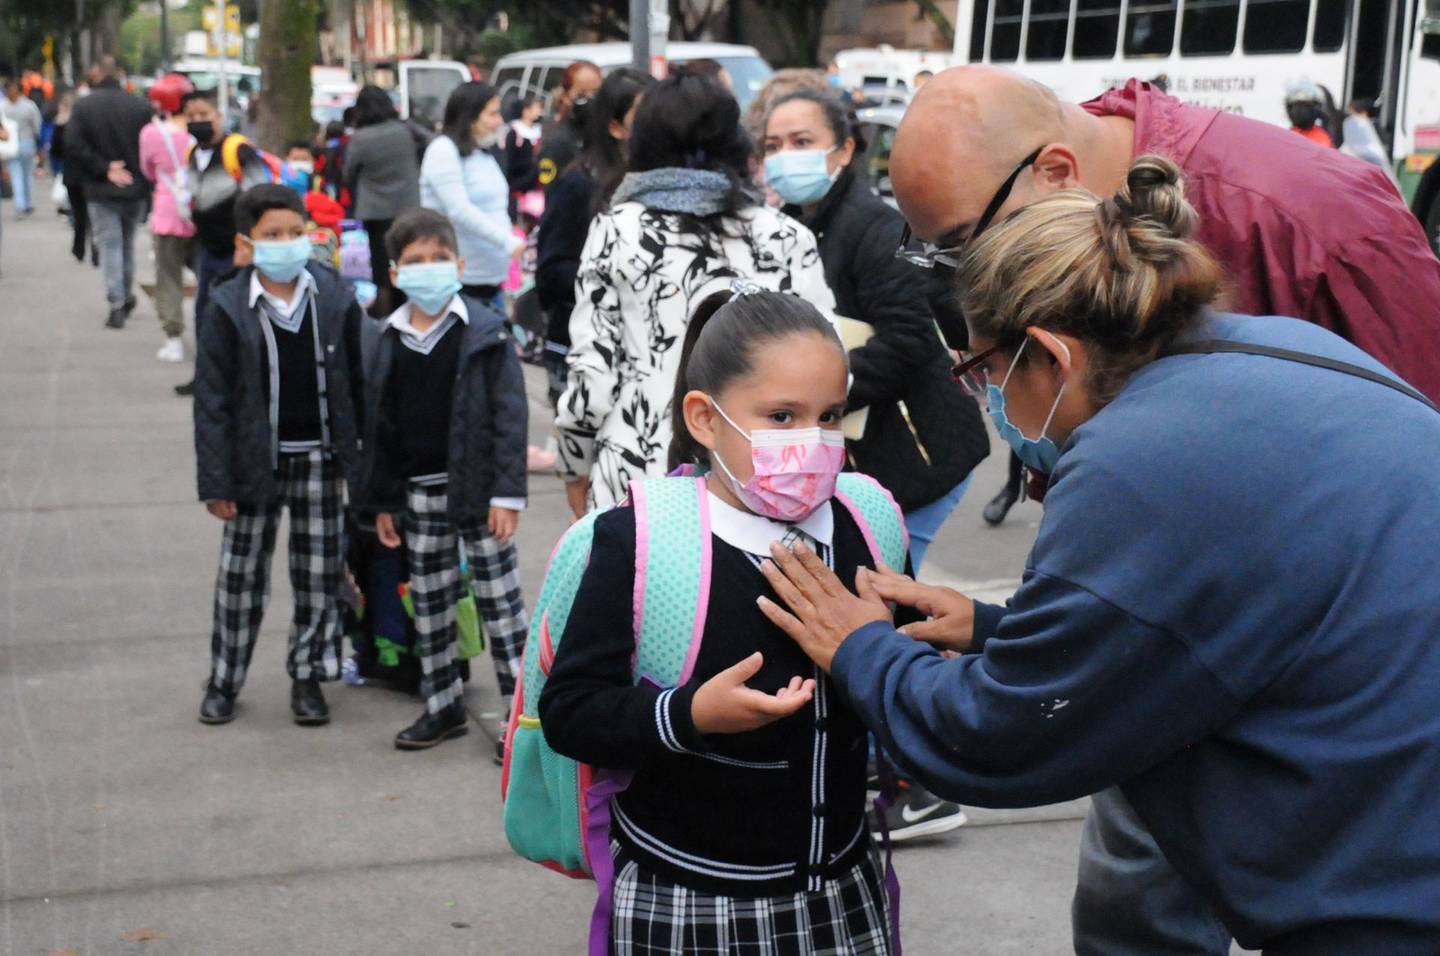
[121,815]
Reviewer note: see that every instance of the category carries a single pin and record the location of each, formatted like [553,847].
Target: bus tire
[1426,205]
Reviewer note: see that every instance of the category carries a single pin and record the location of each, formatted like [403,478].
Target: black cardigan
[905,362]
[725,801]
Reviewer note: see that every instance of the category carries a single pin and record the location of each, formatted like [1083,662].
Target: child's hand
[724,705]
[503,523]
[385,530]
[224,510]
[577,493]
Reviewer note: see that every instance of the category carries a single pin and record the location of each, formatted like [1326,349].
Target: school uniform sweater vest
[299,406]
[423,390]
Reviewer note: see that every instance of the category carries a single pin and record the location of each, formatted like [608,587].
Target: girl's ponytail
[684,450]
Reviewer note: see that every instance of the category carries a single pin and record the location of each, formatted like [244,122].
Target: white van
[538,71]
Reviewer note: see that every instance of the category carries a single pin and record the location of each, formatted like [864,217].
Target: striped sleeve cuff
[673,722]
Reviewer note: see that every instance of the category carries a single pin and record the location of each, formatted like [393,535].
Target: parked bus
[1234,55]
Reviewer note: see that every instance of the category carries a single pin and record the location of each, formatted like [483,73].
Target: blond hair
[1119,273]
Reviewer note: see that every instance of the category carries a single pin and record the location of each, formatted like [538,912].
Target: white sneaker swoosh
[916,816]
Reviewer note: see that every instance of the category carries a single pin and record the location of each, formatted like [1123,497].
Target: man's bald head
[960,138]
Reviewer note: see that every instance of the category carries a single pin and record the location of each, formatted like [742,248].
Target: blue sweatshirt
[1233,611]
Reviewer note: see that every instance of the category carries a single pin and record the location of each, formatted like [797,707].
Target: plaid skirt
[652,916]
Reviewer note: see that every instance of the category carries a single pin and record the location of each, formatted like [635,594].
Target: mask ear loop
[1058,395]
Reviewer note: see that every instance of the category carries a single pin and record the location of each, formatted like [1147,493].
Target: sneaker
[116,319]
[917,812]
[172,351]
[538,459]
[185,388]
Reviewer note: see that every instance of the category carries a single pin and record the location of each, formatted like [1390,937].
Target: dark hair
[839,114]
[347,116]
[415,225]
[691,121]
[208,96]
[373,106]
[604,155]
[518,106]
[258,200]
[299,144]
[467,101]
[334,129]
[724,334]
[701,67]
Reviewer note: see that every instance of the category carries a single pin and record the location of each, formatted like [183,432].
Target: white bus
[1235,55]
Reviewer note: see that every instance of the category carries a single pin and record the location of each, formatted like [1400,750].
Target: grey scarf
[700,192]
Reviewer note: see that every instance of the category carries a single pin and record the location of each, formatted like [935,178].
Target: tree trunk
[942,23]
[287,51]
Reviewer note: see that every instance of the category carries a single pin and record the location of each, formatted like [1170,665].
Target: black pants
[79,221]
[387,297]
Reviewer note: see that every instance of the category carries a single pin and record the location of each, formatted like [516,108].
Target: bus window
[1049,29]
[1005,35]
[1276,26]
[1150,28]
[1330,21]
[977,31]
[1097,26]
[1208,28]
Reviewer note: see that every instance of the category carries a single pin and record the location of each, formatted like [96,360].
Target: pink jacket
[157,166]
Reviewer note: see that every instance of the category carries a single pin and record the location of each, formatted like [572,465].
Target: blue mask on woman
[282,260]
[430,285]
[800,176]
[1038,454]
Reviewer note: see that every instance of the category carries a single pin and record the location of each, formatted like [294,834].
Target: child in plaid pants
[446,464]
[277,381]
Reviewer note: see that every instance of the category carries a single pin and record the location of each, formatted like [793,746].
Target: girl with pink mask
[744,818]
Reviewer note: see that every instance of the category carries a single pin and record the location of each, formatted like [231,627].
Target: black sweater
[733,800]
[421,396]
[569,207]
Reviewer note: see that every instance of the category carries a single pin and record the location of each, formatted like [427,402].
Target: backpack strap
[672,589]
[230,155]
[879,517]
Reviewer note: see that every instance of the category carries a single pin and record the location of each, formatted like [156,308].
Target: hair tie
[743,287]
[695,160]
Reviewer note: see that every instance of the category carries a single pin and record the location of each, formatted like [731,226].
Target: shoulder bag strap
[1210,346]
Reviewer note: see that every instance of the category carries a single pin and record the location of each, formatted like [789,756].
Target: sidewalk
[120,814]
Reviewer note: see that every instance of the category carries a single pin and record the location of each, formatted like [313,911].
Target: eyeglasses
[929,255]
[971,373]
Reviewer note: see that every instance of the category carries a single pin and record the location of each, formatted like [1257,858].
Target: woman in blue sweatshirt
[1231,609]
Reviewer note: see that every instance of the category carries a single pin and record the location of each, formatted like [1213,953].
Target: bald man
[1303,231]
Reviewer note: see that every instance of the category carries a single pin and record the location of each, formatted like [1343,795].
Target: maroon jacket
[1303,231]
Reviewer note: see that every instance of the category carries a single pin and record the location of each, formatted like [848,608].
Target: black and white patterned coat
[641,276]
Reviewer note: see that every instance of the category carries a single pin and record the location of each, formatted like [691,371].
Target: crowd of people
[1222,393]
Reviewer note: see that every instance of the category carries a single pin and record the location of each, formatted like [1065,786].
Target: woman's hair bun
[1155,189]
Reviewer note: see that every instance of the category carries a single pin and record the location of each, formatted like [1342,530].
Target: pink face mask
[795,470]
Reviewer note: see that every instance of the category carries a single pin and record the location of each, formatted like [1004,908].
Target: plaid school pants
[310,487]
[432,544]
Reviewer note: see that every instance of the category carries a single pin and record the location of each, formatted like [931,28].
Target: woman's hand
[385,530]
[577,493]
[951,623]
[822,612]
[224,510]
[503,523]
[724,705]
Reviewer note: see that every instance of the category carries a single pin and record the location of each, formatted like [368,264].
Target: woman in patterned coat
[684,223]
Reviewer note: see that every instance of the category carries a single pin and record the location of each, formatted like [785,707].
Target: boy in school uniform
[446,463]
[277,392]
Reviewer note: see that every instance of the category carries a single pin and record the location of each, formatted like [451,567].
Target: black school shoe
[129,305]
[218,707]
[307,703]
[432,729]
[999,506]
[116,319]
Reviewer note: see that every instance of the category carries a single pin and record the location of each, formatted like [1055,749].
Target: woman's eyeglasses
[928,256]
[971,373]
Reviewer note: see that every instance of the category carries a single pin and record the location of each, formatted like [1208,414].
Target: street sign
[233,40]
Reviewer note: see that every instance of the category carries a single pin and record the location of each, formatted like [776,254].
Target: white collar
[526,130]
[754,533]
[285,309]
[423,342]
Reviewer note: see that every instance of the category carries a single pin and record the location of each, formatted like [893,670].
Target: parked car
[538,71]
[878,125]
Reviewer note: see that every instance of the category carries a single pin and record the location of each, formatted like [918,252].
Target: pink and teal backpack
[556,810]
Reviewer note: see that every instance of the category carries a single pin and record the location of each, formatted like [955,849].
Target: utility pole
[222,39]
[164,36]
[640,35]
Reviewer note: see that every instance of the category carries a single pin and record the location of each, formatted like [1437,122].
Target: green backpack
[556,810]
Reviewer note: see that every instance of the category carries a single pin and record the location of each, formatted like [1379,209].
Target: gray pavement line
[218,882]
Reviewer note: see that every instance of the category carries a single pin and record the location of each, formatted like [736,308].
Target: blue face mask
[282,260]
[430,285]
[1038,454]
[799,176]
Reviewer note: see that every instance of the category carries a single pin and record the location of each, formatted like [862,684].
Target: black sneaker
[185,388]
[116,319]
[999,506]
[917,812]
[129,305]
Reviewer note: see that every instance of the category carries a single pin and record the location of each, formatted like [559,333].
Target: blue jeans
[1129,901]
[22,177]
[924,522]
[114,222]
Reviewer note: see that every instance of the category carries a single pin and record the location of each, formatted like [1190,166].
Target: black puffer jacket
[236,449]
[489,422]
[924,434]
